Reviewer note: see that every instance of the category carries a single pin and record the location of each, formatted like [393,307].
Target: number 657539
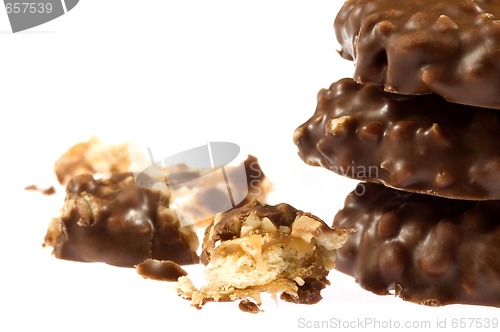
[28,8]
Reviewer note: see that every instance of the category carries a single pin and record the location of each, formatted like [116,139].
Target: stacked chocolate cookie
[421,123]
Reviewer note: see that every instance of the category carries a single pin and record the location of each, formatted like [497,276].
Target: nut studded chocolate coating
[116,222]
[413,143]
[429,250]
[419,46]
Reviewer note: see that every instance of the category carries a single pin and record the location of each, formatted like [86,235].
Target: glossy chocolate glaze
[451,48]
[116,222]
[429,250]
[414,143]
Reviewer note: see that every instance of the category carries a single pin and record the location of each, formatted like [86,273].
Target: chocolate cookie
[419,46]
[265,248]
[426,249]
[413,143]
[116,222]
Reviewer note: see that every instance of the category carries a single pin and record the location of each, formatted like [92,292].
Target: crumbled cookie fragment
[116,222]
[262,248]
[309,292]
[92,157]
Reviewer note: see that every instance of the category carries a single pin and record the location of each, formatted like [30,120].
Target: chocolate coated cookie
[413,143]
[451,48]
[426,249]
[116,222]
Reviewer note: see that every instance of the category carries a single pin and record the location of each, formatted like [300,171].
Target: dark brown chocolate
[426,249]
[309,292]
[227,226]
[249,306]
[420,46]
[160,270]
[414,143]
[116,222]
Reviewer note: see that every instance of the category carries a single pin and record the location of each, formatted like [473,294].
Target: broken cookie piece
[263,248]
[200,197]
[116,222]
[92,157]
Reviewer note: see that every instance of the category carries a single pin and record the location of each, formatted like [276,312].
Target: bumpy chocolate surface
[419,46]
[413,143]
[426,249]
[228,226]
[116,222]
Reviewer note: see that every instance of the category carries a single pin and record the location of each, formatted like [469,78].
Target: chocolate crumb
[308,293]
[249,306]
[259,248]
[160,270]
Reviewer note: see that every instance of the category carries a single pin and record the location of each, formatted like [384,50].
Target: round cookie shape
[437,251]
[421,46]
[413,143]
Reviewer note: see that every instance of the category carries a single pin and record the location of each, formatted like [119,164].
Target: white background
[169,74]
